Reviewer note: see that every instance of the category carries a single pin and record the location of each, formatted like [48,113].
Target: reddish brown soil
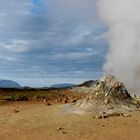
[42,122]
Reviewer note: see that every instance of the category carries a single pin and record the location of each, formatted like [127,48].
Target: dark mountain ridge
[9,84]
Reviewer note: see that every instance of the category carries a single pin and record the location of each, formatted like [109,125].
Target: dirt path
[41,122]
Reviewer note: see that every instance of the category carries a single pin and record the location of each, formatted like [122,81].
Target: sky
[45,42]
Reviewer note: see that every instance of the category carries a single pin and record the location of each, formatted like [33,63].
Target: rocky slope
[108,97]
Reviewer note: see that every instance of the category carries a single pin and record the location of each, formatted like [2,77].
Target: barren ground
[41,122]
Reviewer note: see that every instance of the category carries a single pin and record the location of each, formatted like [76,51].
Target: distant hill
[89,83]
[9,84]
[62,85]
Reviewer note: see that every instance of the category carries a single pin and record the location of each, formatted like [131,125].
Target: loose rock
[59,128]
[48,104]
[15,111]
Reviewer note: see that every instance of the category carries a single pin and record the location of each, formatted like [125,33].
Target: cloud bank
[50,41]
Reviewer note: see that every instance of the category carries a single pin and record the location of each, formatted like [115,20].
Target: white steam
[123,59]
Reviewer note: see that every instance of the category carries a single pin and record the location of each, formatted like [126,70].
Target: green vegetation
[16,98]
[25,95]
[9,98]
[38,94]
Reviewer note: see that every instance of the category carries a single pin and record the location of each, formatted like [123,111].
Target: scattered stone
[136,102]
[106,101]
[98,116]
[64,132]
[111,107]
[56,101]
[45,100]
[48,104]
[126,115]
[65,101]
[106,94]
[74,100]
[134,96]
[15,111]
[59,128]
[104,115]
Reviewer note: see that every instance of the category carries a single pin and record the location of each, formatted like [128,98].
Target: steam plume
[123,59]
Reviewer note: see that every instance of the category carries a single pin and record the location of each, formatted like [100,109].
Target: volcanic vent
[108,97]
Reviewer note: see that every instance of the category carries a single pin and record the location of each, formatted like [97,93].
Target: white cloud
[75,55]
[17,46]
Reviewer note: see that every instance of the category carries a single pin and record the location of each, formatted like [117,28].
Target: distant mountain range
[89,83]
[62,85]
[13,84]
[9,84]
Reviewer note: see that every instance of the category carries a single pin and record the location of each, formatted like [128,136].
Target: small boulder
[15,111]
[48,104]
[106,101]
[59,128]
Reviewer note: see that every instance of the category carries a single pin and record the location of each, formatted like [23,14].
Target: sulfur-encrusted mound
[108,97]
[109,88]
